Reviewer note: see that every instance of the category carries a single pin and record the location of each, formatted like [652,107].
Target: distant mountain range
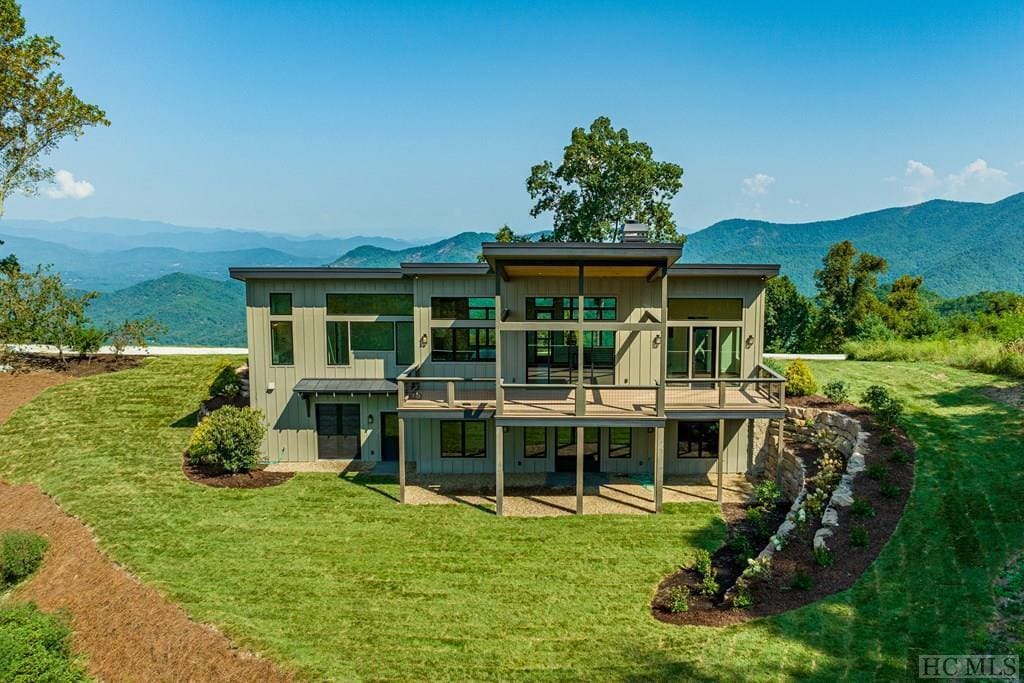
[180,275]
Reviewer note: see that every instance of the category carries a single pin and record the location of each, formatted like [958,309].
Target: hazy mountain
[106,234]
[463,248]
[196,310]
[958,247]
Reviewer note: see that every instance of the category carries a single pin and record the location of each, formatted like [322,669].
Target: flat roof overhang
[579,421]
[479,413]
[313,273]
[762,270]
[724,414]
[309,387]
[563,259]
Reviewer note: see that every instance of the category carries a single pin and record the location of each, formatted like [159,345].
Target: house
[547,357]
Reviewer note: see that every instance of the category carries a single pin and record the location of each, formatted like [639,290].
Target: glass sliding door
[337,431]
[729,351]
[703,352]
[678,352]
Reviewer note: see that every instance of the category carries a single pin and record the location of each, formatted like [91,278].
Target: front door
[389,436]
[337,431]
[565,453]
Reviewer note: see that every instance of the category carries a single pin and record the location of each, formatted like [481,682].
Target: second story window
[282,343]
[705,309]
[369,304]
[462,308]
[564,308]
[462,344]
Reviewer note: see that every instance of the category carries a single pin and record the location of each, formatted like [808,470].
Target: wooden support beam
[581,392]
[499,393]
[721,457]
[659,467]
[579,470]
[499,469]
[401,459]
[663,361]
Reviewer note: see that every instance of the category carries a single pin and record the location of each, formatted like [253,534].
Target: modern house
[547,357]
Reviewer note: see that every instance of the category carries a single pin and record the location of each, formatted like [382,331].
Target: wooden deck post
[499,468]
[579,470]
[581,393]
[721,457]
[663,372]
[659,467]
[401,459]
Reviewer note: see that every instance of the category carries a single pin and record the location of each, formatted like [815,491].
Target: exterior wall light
[657,340]
[423,341]
[369,419]
[750,341]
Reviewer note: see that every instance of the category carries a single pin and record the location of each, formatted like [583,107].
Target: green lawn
[332,577]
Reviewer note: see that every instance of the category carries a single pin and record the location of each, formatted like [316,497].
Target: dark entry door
[337,431]
[389,436]
[565,455]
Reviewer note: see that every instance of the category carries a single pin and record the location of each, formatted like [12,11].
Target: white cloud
[796,202]
[977,181]
[758,184]
[68,187]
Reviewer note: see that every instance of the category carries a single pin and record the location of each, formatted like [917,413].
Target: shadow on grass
[187,421]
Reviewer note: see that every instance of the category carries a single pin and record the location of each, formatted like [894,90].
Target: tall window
[462,344]
[405,343]
[372,336]
[369,304]
[697,440]
[462,308]
[337,342]
[620,442]
[678,351]
[463,439]
[535,442]
[282,346]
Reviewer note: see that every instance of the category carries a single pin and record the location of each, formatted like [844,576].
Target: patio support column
[401,459]
[581,393]
[663,374]
[659,467]
[579,470]
[721,456]
[498,392]
[499,468]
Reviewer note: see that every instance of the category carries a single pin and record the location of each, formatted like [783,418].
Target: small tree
[799,379]
[137,332]
[788,317]
[846,292]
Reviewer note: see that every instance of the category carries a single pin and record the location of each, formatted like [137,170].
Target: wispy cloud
[68,187]
[757,184]
[977,181]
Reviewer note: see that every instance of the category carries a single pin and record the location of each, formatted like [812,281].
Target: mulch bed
[777,594]
[216,477]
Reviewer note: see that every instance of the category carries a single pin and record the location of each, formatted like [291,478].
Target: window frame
[348,343]
[407,313]
[700,441]
[544,453]
[472,335]
[564,308]
[391,335]
[465,311]
[462,430]
[612,446]
[273,345]
[270,303]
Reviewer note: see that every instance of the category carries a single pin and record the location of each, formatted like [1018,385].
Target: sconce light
[369,419]
[650,430]
[504,429]
[423,342]
[505,313]
[750,341]
[657,340]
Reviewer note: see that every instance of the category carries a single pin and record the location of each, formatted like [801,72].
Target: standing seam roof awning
[312,386]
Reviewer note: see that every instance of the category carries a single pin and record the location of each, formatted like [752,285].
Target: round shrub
[800,379]
[227,382]
[228,438]
[836,391]
[21,553]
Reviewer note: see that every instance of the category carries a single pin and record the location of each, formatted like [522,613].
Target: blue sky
[422,120]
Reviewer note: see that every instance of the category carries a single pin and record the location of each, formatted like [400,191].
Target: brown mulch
[777,595]
[34,374]
[127,629]
[209,475]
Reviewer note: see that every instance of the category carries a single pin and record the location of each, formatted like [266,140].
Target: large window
[705,309]
[280,303]
[566,440]
[369,304]
[337,342]
[462,308]
[337,431]
[535,442]
[462,344]
[463,439]
[282,346]
[730,351]
[372,336]
[551,357]
[678,351]
[620,442]
[564,308]
[697,440]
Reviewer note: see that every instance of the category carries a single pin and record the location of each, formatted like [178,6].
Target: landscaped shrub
[227,382]
[859,536]
[889,489]
[21,553]
[35,646]
[877,471]
[742,599]
[709,584]
[802,581]
[837,391]
[228,438]
[740,544]
[679,599]
[767,494]
[800,379]
[759,569]
[702,561]
[756,517]
[901,456]
[862,509]
[887,408]
[87,340]
[823,556]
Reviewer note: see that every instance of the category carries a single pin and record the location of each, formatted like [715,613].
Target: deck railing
[447,392]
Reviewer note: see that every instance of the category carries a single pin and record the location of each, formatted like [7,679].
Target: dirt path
[128,631]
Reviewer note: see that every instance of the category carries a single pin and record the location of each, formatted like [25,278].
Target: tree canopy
[604,180]
[37,109]
[788,317]
[846,285]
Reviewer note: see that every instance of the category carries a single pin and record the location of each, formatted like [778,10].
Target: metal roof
[345,386]
[736,269]
[589,252]
[313,273]
[445,268]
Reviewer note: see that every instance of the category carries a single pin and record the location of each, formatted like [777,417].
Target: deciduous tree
[604,180]
[788,317]
[846,292]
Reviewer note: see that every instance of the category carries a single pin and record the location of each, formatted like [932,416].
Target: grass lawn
[331,577]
